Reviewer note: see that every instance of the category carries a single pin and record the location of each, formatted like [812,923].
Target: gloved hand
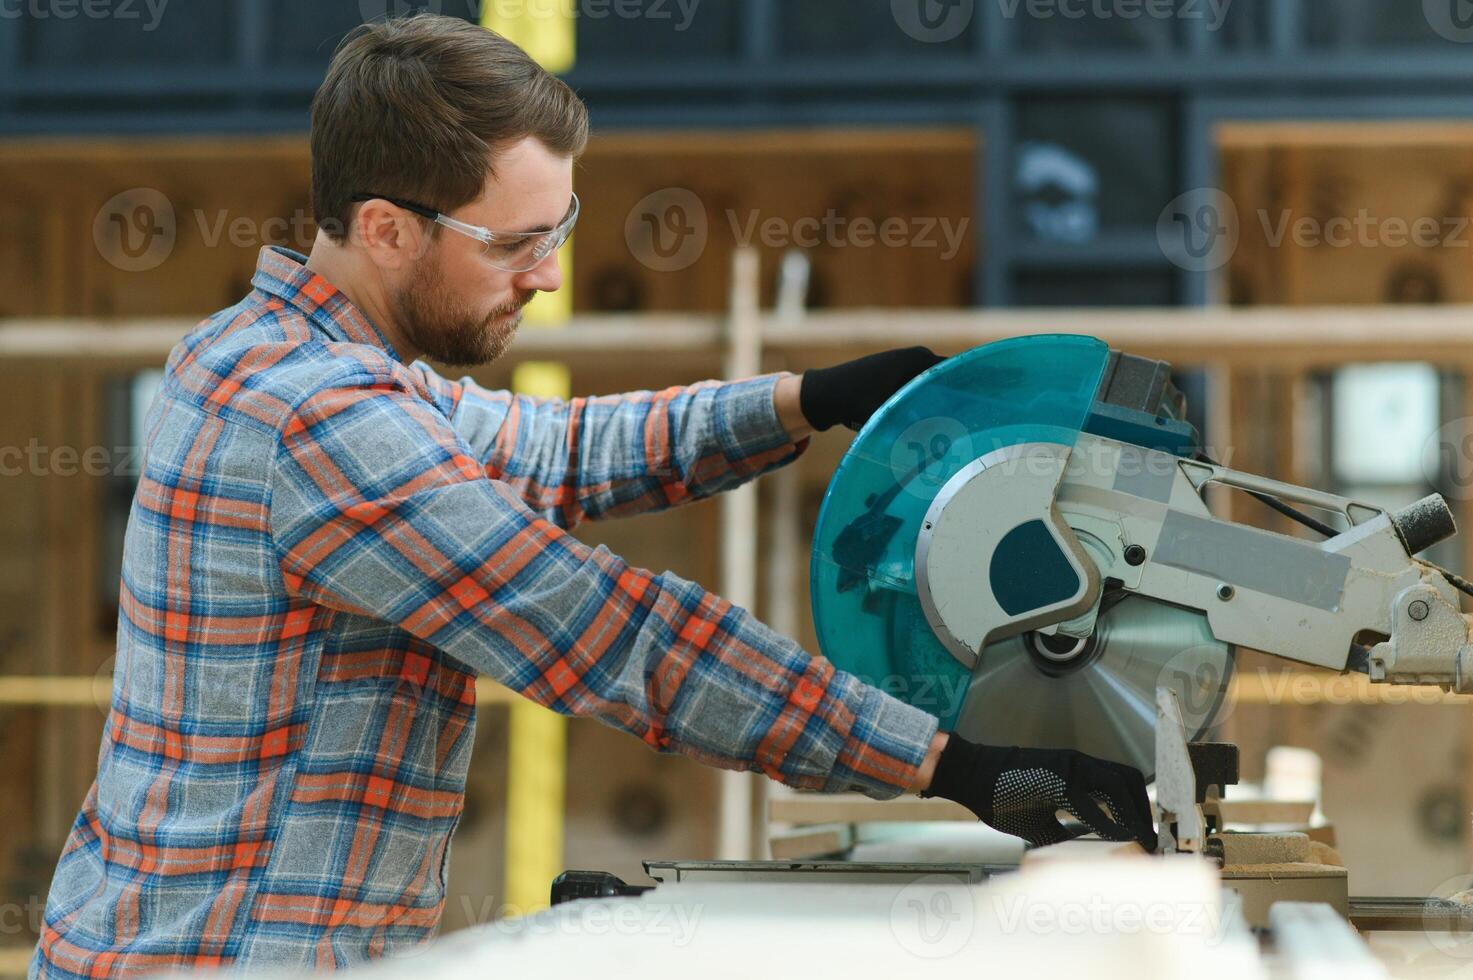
[1019,791]
[849,393]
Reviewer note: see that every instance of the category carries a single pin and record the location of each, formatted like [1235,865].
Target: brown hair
[415,107]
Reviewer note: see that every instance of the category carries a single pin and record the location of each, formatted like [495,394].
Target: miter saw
[1018,542]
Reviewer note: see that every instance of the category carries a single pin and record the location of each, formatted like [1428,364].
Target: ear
[391,237]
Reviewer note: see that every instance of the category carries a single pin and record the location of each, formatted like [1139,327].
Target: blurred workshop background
[762,173]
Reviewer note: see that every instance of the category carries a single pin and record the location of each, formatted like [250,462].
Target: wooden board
[821,808]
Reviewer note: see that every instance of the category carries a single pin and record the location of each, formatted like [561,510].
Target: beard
[447,331]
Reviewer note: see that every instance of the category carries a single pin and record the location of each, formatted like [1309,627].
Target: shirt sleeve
[619,455]
[379,508]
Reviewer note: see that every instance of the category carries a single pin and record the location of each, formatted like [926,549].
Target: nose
[546,276]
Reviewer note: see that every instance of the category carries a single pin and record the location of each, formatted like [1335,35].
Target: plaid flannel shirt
[326,547]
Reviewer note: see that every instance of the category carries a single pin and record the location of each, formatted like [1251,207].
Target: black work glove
[849,393]
[1019,791]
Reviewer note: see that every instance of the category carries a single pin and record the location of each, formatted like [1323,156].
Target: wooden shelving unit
[63,337]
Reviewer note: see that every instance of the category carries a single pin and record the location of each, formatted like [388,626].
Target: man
[329,542]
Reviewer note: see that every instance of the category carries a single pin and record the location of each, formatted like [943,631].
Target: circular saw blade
[862,582]
[1104,702]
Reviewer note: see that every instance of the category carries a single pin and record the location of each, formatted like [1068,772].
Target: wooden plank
[820,808]
[1305,687]
[1258,812]
[103,152]
[647,144]
[1342,135]
[1293,339]
[811,842]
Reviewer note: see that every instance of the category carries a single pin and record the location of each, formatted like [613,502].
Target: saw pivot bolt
[1225,592]
[1418,609]
[1134,554]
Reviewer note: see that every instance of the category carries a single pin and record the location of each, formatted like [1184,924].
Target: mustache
[522,300]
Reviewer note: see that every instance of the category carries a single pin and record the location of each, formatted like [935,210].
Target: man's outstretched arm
[620,455]
[646,451]
[379,508]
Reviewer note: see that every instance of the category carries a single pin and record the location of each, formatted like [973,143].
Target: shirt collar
[283,274]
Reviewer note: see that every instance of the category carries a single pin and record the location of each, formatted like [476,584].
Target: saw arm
[1358,600]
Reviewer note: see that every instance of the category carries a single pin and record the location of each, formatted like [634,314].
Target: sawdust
[1325,854]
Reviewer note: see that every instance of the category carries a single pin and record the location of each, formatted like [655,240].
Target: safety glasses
[508,251]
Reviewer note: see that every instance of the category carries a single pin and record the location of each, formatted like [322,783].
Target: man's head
[442,114]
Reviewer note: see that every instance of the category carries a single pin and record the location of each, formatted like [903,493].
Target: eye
[513,249]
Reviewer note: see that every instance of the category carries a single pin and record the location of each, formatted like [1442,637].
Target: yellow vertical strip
[554,309]
[538,738]
[542,28]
